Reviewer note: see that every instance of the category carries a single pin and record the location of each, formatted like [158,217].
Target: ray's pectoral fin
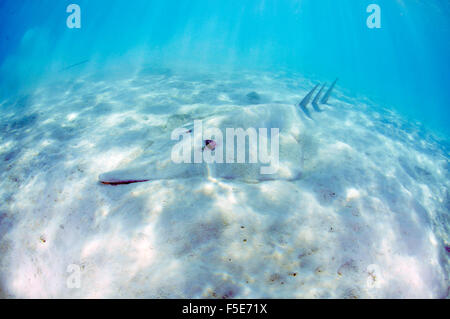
[152,171]
[122,182]
[124,176]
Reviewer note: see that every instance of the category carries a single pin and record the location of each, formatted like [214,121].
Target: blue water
[403,66]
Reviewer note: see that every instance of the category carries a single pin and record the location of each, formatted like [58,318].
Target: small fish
[74,65]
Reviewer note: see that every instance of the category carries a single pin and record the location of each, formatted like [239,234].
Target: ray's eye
[210,144]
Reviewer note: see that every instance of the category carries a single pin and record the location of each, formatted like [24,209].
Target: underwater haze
[404,65]
[358,208]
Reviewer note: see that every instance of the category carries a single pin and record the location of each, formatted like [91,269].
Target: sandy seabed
[364,212]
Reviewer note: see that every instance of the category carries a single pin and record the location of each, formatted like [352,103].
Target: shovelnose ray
[282,152]
[315,103]
[158,169]
[328,93]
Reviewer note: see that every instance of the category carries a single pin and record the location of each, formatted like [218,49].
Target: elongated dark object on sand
[327,95]
[181,158]
[122,182]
